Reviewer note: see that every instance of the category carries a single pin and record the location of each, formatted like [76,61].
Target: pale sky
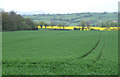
[60,6]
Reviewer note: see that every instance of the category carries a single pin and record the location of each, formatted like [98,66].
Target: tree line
[109,24]
[12,22]
[102,24]
[83,24]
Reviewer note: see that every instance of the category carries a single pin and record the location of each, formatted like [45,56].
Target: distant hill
[75,18]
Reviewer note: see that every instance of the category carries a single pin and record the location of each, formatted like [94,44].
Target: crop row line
[99,56]
[91,49]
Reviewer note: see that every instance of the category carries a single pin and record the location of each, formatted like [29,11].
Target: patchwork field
[60,53]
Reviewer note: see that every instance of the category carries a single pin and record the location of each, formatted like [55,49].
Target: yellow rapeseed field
[85,28]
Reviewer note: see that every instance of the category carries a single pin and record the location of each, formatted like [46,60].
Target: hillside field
[50,52]
[74,19]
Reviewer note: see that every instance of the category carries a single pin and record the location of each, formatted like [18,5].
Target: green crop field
[50,52]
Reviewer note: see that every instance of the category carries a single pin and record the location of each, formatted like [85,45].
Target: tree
[45,24]
[61,25]
[83,23]
[12,21]
[5,21]
[88,25]
[114,24]
[30,23]
[52,24]
[41,23]
[108,24]
[64,24]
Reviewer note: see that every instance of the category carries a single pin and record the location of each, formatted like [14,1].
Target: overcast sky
[60,6]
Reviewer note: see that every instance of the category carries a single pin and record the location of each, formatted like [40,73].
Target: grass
[47,52]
